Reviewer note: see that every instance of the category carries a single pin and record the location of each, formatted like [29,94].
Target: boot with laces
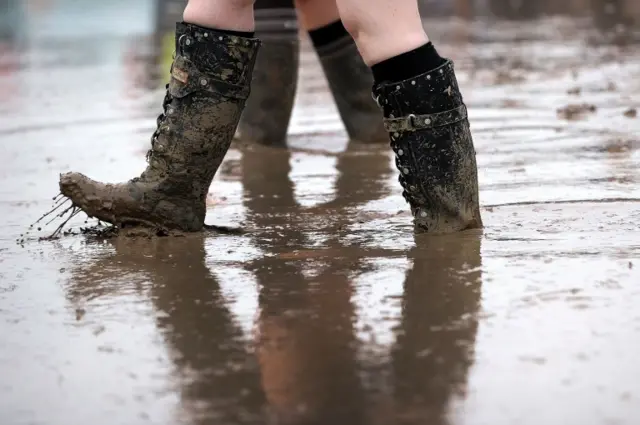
[210,82]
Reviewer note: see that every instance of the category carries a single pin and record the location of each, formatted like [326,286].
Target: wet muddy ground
[326,309]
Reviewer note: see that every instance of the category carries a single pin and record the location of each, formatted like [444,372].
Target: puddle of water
[327,309]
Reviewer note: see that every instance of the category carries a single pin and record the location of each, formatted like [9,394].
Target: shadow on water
[305,363]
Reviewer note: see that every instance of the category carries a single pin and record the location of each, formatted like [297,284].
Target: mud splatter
[62,209]
[576,111]
[574,91]
[631,113]
[101,230]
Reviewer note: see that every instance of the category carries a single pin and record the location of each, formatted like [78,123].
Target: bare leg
[383,28]
[314,14]
[235,15]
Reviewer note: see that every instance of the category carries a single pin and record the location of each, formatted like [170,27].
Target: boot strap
[186,79]
[420,122]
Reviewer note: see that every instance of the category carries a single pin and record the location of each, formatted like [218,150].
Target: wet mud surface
[326,309]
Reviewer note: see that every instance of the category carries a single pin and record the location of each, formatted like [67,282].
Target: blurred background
[138,35]
[39,21]
[41,18]
[143,29]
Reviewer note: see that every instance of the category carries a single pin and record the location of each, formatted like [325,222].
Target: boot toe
[83,193]
[71,186]
[78,187]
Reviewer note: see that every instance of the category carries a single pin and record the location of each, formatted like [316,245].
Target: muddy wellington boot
[429,130]
[210,81]
[266,116]
[350,81]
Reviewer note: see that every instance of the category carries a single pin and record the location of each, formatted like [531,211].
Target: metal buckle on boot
[411,125]
[396,125]
[414,122]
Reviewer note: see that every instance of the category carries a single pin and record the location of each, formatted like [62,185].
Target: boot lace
[154,155]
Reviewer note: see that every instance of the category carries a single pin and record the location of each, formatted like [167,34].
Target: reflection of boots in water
[217,372]
[306,343]
[363,173]
[272,210]
[266,117]
[435,343]
[210,82]
[307,348]
[225,387]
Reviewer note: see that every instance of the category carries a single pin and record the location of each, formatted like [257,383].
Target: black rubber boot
[267,114]
[350,81]
[429,130]
[210,81]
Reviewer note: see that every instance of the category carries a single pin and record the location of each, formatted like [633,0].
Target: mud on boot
[429,131]
[210,81]
[266,117]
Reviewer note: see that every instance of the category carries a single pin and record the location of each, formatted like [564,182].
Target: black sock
[274,4]
[246,34]
[407,65]
[328,34]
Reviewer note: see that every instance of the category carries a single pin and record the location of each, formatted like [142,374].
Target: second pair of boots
[267,114]
[211,76]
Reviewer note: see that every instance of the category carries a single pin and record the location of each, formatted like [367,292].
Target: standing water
[326,309]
